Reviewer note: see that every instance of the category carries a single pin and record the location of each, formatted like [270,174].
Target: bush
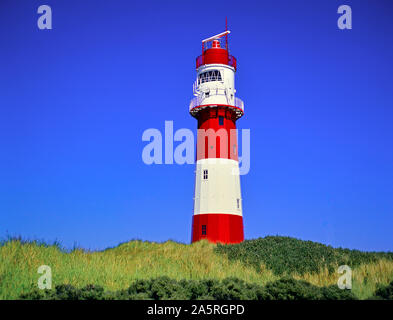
[164,288]
[290,289]
[68,292]
[384,292]
[285,255]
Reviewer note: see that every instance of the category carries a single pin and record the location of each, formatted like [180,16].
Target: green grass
[256,262]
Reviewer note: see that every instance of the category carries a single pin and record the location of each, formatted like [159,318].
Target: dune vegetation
[258,262]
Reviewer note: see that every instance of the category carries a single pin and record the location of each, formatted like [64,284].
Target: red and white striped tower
[218,202]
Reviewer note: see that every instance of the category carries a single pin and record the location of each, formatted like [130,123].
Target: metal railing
[239,103]
[196,101]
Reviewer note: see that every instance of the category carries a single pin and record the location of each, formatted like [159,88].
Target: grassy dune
[115,268]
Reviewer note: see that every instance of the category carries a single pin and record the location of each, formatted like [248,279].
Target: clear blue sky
[75,100]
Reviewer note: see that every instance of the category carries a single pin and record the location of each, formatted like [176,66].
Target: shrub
[68,292]
[164,288]
[384,292]
[290,289]
[285,255]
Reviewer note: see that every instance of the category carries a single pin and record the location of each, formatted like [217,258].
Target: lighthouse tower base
[217,203]
[217,227]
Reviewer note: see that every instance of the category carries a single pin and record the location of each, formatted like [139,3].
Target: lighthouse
[217,213]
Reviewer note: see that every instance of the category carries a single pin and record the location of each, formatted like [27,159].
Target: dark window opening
[213,75]
[203,229]
[205,174]
[221,120]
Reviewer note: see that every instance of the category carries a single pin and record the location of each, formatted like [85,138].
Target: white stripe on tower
[217,187]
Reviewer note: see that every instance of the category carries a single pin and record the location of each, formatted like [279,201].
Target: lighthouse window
[212,75]
[203,229]
[238,203]
[205,174]
[221,120]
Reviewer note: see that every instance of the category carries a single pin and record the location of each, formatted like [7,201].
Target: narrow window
[205,174]
[221,120]
[203,229]
[238,203]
